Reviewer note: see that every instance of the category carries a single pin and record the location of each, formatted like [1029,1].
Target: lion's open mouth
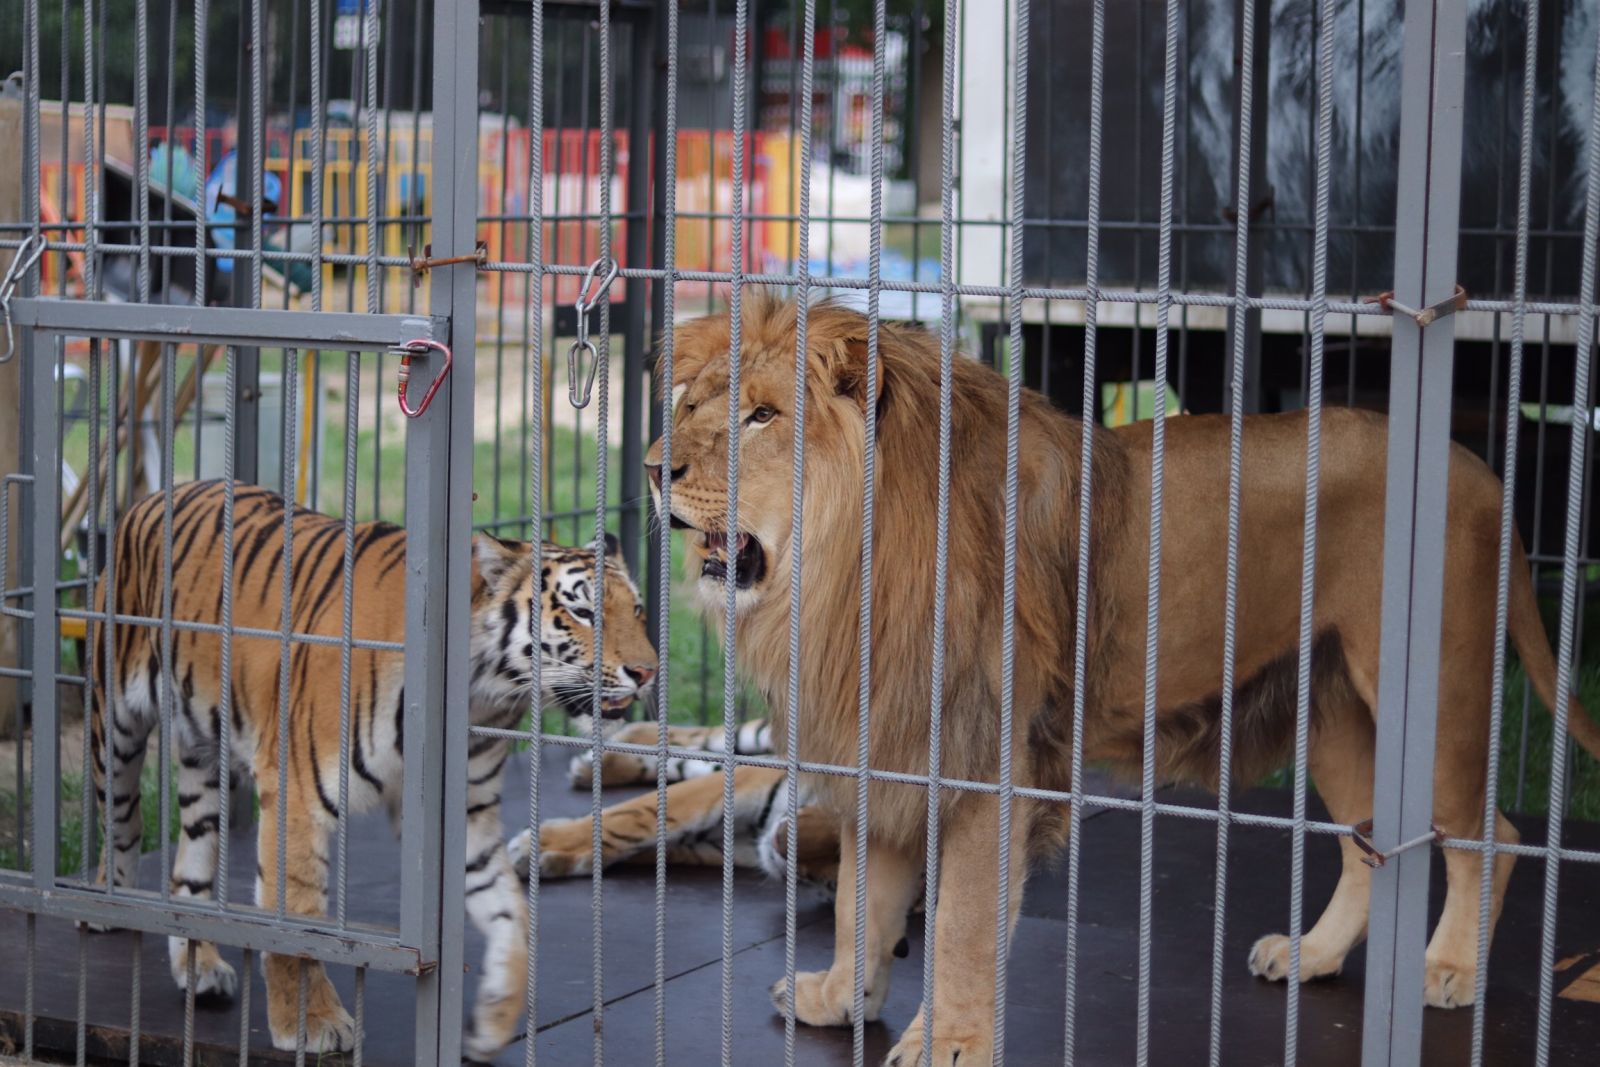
[750,558]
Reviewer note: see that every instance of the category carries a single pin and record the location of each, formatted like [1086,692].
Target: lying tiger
[502,650]
[694,812]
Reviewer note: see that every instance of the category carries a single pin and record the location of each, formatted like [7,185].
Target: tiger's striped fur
[124,714]
[694,812]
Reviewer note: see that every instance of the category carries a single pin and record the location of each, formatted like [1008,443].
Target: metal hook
[586,303]
[28,254]
[416,348]
[581,400]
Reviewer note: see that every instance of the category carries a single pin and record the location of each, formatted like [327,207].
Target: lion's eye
[762,415]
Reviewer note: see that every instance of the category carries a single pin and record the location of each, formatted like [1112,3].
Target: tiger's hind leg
[329,1027]
[119,737]
[122,742]
[194,869]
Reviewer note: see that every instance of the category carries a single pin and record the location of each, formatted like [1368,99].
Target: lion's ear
[850,370]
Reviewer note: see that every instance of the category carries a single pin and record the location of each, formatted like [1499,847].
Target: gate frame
[438,472]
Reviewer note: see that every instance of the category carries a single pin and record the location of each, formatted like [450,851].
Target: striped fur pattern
[506,585]
[694,825]
[753,738]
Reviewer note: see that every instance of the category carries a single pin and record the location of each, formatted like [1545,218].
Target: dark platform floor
[1258,894]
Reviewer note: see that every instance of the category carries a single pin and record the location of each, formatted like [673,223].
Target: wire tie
[420,267]
[1361,833]
[1429,315]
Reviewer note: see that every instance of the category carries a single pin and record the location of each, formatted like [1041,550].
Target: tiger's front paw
[329,1028]
[580,772]
[565,849]
[517,851]
[213,975]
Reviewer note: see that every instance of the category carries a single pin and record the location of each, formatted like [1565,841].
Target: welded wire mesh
[115,172]
[1060,202]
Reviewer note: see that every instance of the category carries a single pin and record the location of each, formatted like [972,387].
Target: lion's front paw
[1269,959]
[954,1048]
[819,1001]
[1449,985]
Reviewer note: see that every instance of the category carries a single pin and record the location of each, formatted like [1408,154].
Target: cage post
[246,398]
[663,187]
[39,553]
[14,459]
[1260,74]
[660,190]
[642,51]
[1427,218]
[45,465]
[438,544]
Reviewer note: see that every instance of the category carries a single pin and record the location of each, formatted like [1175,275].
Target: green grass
[1584,778]
[69,826]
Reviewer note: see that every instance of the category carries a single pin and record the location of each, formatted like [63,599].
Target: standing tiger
[503,592]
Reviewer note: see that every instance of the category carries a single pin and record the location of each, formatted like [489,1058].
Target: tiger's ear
[614,548]
[492,558]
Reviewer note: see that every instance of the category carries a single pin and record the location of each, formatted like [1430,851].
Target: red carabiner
[417,348]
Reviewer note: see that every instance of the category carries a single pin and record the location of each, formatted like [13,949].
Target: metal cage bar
[1427,212]
[1244,289]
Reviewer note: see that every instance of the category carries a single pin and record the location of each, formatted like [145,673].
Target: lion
[1344,656]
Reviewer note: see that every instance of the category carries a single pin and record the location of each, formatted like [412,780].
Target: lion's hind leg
[1450,978]
[1341,765]
[1460,778]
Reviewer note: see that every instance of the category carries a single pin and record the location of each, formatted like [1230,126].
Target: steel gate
[157,319]
[982,283]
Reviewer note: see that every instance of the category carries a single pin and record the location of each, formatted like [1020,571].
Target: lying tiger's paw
[580,772]
[565,849]
[517,850]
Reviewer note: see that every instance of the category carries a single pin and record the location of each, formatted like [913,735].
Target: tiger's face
[507,588]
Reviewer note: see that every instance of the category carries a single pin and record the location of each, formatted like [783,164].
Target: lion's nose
[654,470]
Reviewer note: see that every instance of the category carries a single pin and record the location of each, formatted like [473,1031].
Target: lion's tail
[1533,646]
